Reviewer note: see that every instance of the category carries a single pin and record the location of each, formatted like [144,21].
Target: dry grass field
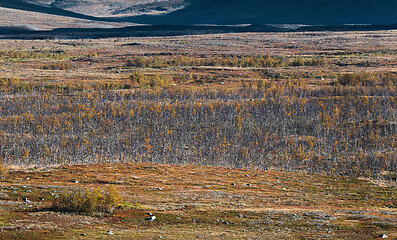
[222,136]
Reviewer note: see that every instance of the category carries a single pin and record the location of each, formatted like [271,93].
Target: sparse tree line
[57,66]
[364,83]
[33,54]
[256,61]
[335,130]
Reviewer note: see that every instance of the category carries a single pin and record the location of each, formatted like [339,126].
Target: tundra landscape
[111,128]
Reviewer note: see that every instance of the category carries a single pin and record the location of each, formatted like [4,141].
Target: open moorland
[222,136]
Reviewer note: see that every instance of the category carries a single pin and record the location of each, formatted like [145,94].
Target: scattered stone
[155,189]
[83,234]
[26,200]
[383,236]
[233,184]
[110,232]
[75,181]
[247,175]
[151,218]
[160,237]
[3,195]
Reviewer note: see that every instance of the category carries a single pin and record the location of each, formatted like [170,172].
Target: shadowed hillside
[222,12]
[325,12]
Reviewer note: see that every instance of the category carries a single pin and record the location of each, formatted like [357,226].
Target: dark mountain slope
[227,12]
[324,12]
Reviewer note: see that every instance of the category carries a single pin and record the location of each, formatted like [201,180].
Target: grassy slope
[205,202]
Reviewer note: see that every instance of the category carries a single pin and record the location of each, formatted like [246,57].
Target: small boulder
[110,232]
[383,236]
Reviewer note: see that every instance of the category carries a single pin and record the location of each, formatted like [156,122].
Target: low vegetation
[93,203]
[3,171]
